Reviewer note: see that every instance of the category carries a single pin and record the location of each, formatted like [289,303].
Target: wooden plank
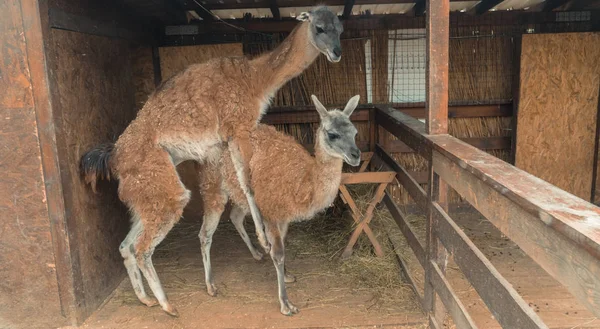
[482,143]
[406,229]
[558,230]
[409,183]
[455,307]
[436,74]
[408,129]
[348,4]
[409,278]
[310,116]
[33,269]
[417,110]
[557,146]
[368,177]
[362,145]
[596,158]
[373,130]
[66,21]
[515,93]
[483,7]
[274,9]
[459,111]
[296,3]
[503,301]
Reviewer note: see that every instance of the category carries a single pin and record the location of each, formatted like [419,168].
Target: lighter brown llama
[289,184]
[191,117]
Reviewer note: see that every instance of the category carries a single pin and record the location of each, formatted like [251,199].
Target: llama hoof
[212,290]
[150,302]
[289,278]
[288,309]
[172,311]
[266,246]
[258,255]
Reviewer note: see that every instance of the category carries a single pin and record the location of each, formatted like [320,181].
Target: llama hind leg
[237,218]
[144,249]
[135,276]
[209,226]
[240,151]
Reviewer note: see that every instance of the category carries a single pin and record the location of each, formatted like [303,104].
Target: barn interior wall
[29,295]
[556,134]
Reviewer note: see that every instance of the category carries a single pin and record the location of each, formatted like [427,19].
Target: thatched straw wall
[480,72]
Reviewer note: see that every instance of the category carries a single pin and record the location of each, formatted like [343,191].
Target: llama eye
[320,30]
[333,136]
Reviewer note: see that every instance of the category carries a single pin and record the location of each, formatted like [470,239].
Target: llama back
[282,172]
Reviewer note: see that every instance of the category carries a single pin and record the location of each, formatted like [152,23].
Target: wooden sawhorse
[383,178]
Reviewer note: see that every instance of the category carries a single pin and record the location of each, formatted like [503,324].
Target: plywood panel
[556,123]
[93,101]
[29,296]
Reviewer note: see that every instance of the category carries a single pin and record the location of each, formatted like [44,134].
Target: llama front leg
[241,153]
[278,256]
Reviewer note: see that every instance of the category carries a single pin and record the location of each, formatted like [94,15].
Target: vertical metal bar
[436,88]
[438,38]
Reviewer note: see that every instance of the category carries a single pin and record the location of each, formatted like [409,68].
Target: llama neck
[328,173]
[288,60]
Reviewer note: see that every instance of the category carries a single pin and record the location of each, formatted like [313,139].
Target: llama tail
[95,164]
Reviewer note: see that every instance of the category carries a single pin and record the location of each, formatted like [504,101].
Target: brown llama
[289,184]
[193,116]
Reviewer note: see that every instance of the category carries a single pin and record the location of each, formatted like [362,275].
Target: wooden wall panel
[29,296]
[93,101]
[556,121]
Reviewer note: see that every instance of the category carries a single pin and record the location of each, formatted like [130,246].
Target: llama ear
[303,17]
[352,104]
[320,108]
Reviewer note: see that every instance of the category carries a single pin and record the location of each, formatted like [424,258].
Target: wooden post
[515,96]
[438,38]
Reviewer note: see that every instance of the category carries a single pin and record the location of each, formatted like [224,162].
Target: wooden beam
[61,20]
[482,143]
[550,5]
[484,6]
[404,178]
[558,230]
[596,151]
[310,116]
[407,230]
[436,75]
[348,4]
[503,301]
[408,129]
[419,8]
[299,3]
[516,93]
[455,307]
[274,9]
[204,11]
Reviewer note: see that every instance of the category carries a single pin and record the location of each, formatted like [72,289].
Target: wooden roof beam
[295,3]
[348,4]
[419,8]
[550,5]
[274,9]
[484,6]
[202,10]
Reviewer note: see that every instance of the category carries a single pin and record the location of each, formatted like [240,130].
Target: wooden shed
[487,111]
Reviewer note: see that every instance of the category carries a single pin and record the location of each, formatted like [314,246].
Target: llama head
[336,134]
[324,31]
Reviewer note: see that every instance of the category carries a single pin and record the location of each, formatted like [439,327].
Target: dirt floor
[364,291]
